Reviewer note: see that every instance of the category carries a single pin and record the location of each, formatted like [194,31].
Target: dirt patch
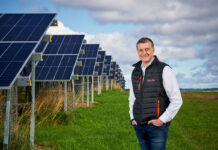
[200,96]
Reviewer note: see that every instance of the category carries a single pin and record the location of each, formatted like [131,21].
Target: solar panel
[24,27]
[112,70]
[90,51]
[101,55]
[19,36]
[87,57]
[64,44]
[55,67]
[100,63]
[107,63]
[116,72]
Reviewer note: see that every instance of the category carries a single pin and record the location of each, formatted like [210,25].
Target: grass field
[105,126]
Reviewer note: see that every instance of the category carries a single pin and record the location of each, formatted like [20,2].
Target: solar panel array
[87,57]
[19,36]
[100,63]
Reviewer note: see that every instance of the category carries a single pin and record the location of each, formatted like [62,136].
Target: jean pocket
[157,126]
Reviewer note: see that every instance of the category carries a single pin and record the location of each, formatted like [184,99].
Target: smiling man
[154,98]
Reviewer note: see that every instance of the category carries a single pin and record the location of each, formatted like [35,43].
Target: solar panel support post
[83,89]
[65,95]
[32,123]
[111,84]
[98,85]
[92,89]
[73,94]
[87,96]
[7,121]
[107,86]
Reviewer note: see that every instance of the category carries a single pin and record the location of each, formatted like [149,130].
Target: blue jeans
[151,137]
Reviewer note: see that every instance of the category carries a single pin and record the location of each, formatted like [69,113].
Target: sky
[184,32]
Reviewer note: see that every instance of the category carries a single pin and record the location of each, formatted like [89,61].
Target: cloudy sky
[185,32]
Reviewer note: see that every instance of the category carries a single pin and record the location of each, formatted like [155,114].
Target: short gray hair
[145,40]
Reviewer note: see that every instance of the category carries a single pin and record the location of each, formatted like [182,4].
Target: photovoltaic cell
[64,44]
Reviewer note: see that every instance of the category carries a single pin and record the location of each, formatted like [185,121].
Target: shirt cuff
[165,118]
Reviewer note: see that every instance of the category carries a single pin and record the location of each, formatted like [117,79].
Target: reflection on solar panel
[55,67]
[112,70]
[24,27]
[100,63]
[107,65]
[19,35]
[65,44]
[88,57]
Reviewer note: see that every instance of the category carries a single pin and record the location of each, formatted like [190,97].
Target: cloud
[37,9]
[178,29]
[60,29]
[145,11]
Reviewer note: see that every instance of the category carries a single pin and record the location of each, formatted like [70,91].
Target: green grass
[106,126]
[196,125]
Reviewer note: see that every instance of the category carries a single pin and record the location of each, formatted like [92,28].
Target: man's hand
[156,122]
[134,122]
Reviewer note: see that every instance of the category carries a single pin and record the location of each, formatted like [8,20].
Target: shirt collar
[147,64]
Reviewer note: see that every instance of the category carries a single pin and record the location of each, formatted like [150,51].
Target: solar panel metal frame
[30,55]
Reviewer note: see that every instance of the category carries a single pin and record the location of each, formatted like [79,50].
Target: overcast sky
[185,32]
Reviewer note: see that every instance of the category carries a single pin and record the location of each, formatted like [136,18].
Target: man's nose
[144,52]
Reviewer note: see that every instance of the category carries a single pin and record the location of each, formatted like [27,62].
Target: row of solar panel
[20,35]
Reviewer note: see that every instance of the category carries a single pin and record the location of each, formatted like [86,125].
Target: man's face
[145,52]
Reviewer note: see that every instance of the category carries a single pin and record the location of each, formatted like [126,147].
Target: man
[154,97]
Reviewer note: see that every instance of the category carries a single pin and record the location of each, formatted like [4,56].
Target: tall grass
[48,111]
